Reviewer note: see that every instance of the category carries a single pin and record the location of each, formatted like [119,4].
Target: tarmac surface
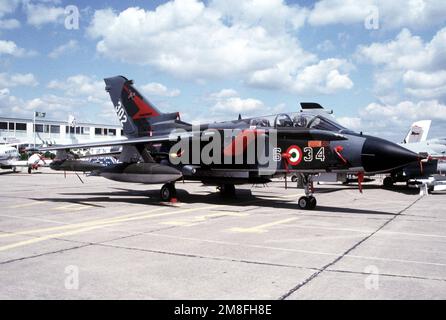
[62,239]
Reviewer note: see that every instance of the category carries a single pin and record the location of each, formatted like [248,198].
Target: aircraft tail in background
[418,131]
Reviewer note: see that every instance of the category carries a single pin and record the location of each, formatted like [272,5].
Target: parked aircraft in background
[416,141]
[158,148]
[10,159]
[9,155]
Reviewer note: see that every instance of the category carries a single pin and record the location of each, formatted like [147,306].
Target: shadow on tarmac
[243,198]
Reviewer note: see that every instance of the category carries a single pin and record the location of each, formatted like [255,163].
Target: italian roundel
[294,155]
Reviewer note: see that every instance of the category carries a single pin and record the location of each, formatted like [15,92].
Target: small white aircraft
[9,155]
[10,159]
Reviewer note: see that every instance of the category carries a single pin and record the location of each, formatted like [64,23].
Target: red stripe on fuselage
[241,142]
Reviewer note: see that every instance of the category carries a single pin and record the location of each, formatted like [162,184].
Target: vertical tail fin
[132,109]
[418,131]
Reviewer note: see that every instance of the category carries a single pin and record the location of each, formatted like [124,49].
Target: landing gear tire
[307,203]
[168,192]
[29,170]
[313,203]
[14,169]
[227,190]
[388,182]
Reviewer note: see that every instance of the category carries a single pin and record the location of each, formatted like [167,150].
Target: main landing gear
[168,192]
[227,190]
[307,202]
[388,182]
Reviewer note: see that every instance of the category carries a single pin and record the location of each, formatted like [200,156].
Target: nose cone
[379,155]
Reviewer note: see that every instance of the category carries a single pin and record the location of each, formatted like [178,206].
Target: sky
[379,65]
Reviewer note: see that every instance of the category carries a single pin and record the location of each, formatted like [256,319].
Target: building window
[11,126]
[39,127]
[20,126]
[3,126]
[86,130]
[105,132]
[112,132]
[98,131]
[54,129]
[122,132]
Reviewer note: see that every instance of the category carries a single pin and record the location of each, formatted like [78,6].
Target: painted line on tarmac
[28,204]
[72,207]
[96,226]
[76,225]
[263,227]
[191,221]
[381,232]
[124,218]
[51,236]
[292,250]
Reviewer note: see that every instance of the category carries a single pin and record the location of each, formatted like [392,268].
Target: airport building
[21,130]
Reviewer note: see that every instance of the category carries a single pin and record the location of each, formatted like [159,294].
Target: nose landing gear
[307,202]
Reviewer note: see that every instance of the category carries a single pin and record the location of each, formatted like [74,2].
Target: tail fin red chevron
[133,101]
[133,110]
[138,116]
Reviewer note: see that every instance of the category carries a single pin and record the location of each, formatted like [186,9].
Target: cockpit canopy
[298,119]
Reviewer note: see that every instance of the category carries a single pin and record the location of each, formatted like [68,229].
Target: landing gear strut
[168,192]
[308,202]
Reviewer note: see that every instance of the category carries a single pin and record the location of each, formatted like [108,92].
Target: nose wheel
[307,202]
[168,192]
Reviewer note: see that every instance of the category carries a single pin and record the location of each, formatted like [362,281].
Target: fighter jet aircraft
[161,148]
[416,141]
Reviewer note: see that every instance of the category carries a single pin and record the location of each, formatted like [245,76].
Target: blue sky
[380,65]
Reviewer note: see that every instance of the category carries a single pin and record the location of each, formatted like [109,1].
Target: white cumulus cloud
[38,14]
[408,61]
[18,79]
[70,46]
[82,86]
[194,40]
[10,48]
[158,89]
[9,24]
[390,14]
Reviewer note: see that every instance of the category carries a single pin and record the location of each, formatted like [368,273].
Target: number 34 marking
[309,154]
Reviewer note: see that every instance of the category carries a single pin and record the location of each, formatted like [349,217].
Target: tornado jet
[161,148]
